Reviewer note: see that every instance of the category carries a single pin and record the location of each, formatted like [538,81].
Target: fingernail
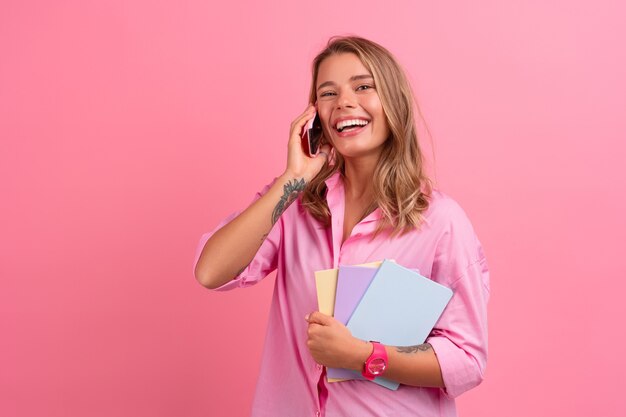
[307,317]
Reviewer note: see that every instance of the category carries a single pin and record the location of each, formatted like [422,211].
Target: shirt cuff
[459,370]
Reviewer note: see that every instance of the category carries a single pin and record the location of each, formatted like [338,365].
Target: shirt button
[317,414]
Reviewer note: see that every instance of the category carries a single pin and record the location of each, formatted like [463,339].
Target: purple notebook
[352,283]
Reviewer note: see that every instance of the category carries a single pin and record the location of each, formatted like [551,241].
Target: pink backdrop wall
[129,128]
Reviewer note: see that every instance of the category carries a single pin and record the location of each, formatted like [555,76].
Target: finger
[324,152]
[307,115]
[312,330]
[300,121]
[319,318]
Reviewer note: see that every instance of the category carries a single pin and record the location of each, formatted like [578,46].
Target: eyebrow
[353,78]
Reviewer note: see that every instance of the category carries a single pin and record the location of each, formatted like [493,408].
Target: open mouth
[350,125]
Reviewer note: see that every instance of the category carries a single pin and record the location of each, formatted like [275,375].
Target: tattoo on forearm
[412,349]
[292,189]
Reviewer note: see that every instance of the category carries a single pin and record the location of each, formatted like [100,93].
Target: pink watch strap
[376,364]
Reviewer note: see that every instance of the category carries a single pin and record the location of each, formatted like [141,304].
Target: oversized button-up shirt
[444,248]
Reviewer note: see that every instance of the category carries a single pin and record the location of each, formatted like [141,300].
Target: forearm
[414,365]
[232,248]
[409,365]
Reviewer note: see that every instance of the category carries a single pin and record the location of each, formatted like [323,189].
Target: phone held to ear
[311,136]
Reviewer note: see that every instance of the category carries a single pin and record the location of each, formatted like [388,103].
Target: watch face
[377,366]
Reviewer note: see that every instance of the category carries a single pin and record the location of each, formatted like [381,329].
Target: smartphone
[311,136]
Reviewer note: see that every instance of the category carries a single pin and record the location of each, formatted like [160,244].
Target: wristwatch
[376,364]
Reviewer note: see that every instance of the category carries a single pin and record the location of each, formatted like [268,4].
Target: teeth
[353,122]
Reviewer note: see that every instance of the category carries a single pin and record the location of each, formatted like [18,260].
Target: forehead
[339,68]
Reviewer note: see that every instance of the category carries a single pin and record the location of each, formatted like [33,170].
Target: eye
[364,87]
[327,93]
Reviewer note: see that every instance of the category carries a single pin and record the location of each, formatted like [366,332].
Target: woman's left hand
[331,344]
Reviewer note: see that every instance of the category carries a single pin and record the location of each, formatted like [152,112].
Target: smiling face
[349,107]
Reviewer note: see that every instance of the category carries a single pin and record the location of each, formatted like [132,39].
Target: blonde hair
[401,188]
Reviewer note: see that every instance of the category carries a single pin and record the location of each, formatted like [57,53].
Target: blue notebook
[399,308]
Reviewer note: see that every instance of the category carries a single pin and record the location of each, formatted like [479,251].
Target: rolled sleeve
[459,338]
[264,261]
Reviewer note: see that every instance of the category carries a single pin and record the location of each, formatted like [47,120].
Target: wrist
[362,351]
[290,176]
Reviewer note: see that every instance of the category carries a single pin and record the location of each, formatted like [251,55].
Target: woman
[363,198]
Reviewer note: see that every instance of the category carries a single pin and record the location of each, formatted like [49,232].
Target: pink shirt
[445,249]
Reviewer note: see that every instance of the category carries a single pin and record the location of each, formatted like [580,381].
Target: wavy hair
[401,188]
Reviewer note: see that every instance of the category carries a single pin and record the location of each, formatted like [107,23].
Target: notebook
[326,287]
[352,282]
[399,308]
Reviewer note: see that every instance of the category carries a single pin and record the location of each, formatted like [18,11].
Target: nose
[346,98]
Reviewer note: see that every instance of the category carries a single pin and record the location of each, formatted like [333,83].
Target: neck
[359,173]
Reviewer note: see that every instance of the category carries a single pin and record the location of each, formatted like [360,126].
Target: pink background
[128,128]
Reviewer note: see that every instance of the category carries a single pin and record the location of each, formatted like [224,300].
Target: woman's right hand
[299,164]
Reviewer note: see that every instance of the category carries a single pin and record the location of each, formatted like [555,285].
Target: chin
[357,153]
[357,150]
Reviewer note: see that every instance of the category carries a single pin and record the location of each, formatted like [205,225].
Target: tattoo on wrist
[412,349]
[291,191]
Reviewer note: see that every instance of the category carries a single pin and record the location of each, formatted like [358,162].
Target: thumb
[319,318]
